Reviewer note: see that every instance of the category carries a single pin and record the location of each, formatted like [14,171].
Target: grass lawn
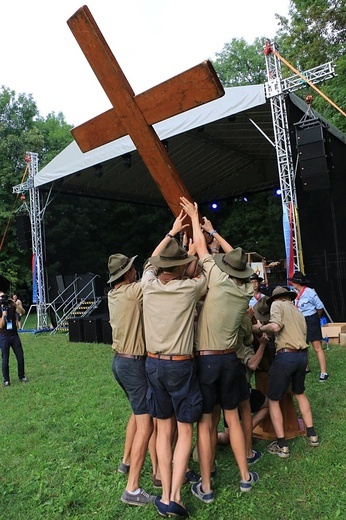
[62,439]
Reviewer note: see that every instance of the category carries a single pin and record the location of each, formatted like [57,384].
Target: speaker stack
[76,330]
[314,156]
[23,231]
[92,327]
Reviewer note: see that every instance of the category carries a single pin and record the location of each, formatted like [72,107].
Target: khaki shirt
[243,348]
[169,311]
[126,318]
[292,322]
[223,309]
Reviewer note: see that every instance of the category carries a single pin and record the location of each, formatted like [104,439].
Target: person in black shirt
[9,338]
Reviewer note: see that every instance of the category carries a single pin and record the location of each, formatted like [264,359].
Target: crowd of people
[187,338]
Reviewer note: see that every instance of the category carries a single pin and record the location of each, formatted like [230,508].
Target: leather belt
[130,356]
[291,350]
[171,358]
[214,352]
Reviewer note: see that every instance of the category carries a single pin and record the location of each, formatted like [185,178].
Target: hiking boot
[124,468]
[246,485]
[137,499]
[323,377]
[313,441]
[275,449]
[196,489]
[256,455]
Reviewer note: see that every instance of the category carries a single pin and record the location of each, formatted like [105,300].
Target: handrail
[72,303]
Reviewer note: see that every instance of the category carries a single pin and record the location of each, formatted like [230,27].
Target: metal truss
[275,89]
[37,245]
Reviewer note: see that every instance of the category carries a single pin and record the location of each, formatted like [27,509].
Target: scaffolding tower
[276,88]
[36,218]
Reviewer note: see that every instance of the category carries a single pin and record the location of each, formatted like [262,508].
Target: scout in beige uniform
[125,302]
[288,366]
[169,301]
[229,292]
[253,405]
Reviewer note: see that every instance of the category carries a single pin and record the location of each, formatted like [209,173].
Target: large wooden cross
[134,115]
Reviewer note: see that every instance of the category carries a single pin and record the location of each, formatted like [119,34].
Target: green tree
[240,63]
[21,130]
[56,133]
[255,224]
[312,34]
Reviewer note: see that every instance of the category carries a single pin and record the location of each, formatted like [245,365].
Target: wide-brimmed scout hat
[234,263]
[118,265]
[280,292]
[261,309]
[172,255]
[299,277]
[256,277]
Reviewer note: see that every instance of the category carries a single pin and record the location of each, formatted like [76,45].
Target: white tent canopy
[221,150]
[72,160]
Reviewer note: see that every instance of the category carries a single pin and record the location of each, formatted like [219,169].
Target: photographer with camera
[9,338]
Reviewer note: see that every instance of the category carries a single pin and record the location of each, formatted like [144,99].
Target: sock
[310,432]
[281,442]
[136,492]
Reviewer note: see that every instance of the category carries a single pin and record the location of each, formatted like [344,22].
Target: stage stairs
[73,302]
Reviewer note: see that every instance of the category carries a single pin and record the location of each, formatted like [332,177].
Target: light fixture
[127,160]
[98,170]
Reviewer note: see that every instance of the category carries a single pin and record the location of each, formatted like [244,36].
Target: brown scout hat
[262,309]
[118,265]
[234,263]
[279,292]
[172,254]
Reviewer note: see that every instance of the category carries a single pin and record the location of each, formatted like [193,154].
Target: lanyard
[299,295]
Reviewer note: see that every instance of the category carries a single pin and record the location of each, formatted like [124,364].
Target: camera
[4,300]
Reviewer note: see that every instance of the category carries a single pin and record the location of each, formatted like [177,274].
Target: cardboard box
[343,339]
[333,331]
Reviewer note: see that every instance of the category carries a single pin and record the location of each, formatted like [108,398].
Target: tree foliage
[22,130]
[240,63]
[315,33]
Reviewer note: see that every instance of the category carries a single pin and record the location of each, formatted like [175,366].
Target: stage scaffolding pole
[36,217]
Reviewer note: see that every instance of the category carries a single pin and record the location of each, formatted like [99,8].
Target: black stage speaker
[92,330]
[106,331]
[313,154]
[23,231]
[76,330]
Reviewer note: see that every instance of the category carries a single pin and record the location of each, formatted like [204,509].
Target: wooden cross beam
[134,115]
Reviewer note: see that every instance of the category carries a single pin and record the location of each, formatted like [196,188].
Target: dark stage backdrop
[322,215]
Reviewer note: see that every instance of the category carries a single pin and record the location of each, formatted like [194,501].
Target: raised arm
[178,226]
[208,228]
[198,238]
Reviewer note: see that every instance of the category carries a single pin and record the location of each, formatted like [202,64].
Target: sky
[152,40]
